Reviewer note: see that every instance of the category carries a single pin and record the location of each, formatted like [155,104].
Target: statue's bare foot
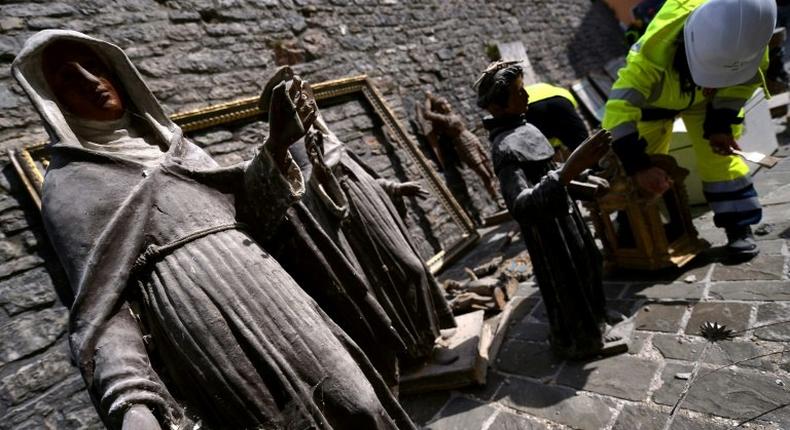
[617,337]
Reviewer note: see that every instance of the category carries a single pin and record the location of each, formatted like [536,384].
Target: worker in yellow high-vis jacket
[552,110]
[700,60]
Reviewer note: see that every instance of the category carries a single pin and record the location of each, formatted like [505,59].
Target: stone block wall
[194,53]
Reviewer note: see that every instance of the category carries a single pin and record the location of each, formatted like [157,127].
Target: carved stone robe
[357,212]
[234,342]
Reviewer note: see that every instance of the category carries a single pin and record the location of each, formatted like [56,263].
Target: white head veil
[28,71]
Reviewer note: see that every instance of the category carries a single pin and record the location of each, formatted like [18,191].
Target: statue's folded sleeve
[269,192]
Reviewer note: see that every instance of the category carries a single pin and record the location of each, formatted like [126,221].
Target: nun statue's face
[82,83]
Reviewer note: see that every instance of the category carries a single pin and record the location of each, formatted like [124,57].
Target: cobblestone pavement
[746,378]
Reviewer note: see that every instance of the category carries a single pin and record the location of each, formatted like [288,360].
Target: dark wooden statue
[566,261]
[180,316]
[470,151]
[355,208]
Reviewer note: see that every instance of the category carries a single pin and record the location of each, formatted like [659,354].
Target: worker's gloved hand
[653,180]
[723,143]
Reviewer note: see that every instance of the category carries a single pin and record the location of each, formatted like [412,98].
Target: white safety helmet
[726,39]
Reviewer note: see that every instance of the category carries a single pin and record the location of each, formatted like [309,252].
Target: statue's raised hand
[292,110]
[139,417]
[586,155]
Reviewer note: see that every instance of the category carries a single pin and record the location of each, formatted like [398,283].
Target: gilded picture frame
[31,162]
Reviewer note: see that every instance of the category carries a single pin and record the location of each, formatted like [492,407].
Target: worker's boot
[740,243]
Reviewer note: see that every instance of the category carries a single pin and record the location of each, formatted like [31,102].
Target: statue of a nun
[356,208]
[144,220]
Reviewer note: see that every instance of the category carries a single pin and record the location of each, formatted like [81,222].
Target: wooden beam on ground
[470,368]
[588,96]
[613,66]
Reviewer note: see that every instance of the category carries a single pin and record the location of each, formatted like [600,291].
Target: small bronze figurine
[468,147]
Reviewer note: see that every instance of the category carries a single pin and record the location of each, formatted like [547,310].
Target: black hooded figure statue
[147,225]
[566,261]
[348,208]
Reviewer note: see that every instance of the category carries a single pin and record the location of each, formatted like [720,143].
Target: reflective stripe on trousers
[734,202]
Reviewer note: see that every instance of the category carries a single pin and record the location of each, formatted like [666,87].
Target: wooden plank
[778,104]
[515,51]
[497,218]
[613,66]
[515,310]
[470,367]
[588,96]
[602,82]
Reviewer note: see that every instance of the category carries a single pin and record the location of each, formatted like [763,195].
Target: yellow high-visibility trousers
[726,182]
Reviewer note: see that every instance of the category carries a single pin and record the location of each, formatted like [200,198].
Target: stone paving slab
[424,406]
[660,317]
[762,267]
[640,417]
[733,315]
[771,246]
[678,347]
[462,414]
[751,291]
[773,312]
[732,393]
[529,331]
[778,229]
[531,359]
[559,404]
[725,353]
[623,376]
[485,392]
[779,196]
[530,386]
[769,184]
[674,291]
[722,353]
[539,313]
[625,307]
[638,341]
[508,421]
[697,267]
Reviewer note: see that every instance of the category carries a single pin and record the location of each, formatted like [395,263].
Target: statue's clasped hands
[292,110]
